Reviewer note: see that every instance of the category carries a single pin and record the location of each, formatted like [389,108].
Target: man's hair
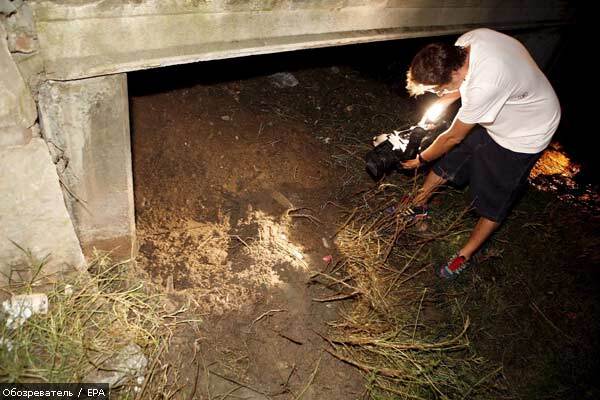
[433,66]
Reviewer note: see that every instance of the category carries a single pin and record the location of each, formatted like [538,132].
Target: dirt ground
[239,188]
[235,211]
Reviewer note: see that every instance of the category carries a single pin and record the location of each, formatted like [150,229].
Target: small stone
[21,307]
[22,43]
[130,362]
[169,286]
[283,79]
[226,118]
[6,343]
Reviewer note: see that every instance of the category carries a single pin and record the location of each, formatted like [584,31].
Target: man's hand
[377,140]
[411,164]
[447,140]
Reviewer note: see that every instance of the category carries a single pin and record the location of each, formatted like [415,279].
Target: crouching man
[508,115]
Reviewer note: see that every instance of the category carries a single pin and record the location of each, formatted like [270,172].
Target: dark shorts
[497,176]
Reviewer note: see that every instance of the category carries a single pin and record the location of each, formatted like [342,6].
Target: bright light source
[434,113]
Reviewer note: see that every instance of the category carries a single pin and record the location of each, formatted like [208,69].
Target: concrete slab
[118,36]
[86,125]
[33,215]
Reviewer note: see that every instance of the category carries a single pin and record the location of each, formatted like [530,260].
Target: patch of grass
[90,318]
[391,332]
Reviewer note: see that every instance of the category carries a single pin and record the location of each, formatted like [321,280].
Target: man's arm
[443,143]
[447,140]
[449,98]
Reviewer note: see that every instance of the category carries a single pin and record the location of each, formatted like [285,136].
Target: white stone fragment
[128,364]
[21,307]
[6,343]
[68,290]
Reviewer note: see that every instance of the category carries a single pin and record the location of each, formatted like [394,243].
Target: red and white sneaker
[416,213]
[453,268]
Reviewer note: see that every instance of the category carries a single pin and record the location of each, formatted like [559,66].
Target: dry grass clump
[91,317]
[384,333]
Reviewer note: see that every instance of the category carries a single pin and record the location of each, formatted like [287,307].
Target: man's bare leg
[482,231]
[432,182]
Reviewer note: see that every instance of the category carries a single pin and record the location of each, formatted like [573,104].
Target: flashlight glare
[434,112]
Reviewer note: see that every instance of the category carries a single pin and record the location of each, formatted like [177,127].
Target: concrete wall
[89,37]
[86,125]
[35,228]
[34,223]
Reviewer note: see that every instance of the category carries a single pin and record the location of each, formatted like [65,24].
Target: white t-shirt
[506,92]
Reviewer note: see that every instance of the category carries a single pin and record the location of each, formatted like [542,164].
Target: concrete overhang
[86,38]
